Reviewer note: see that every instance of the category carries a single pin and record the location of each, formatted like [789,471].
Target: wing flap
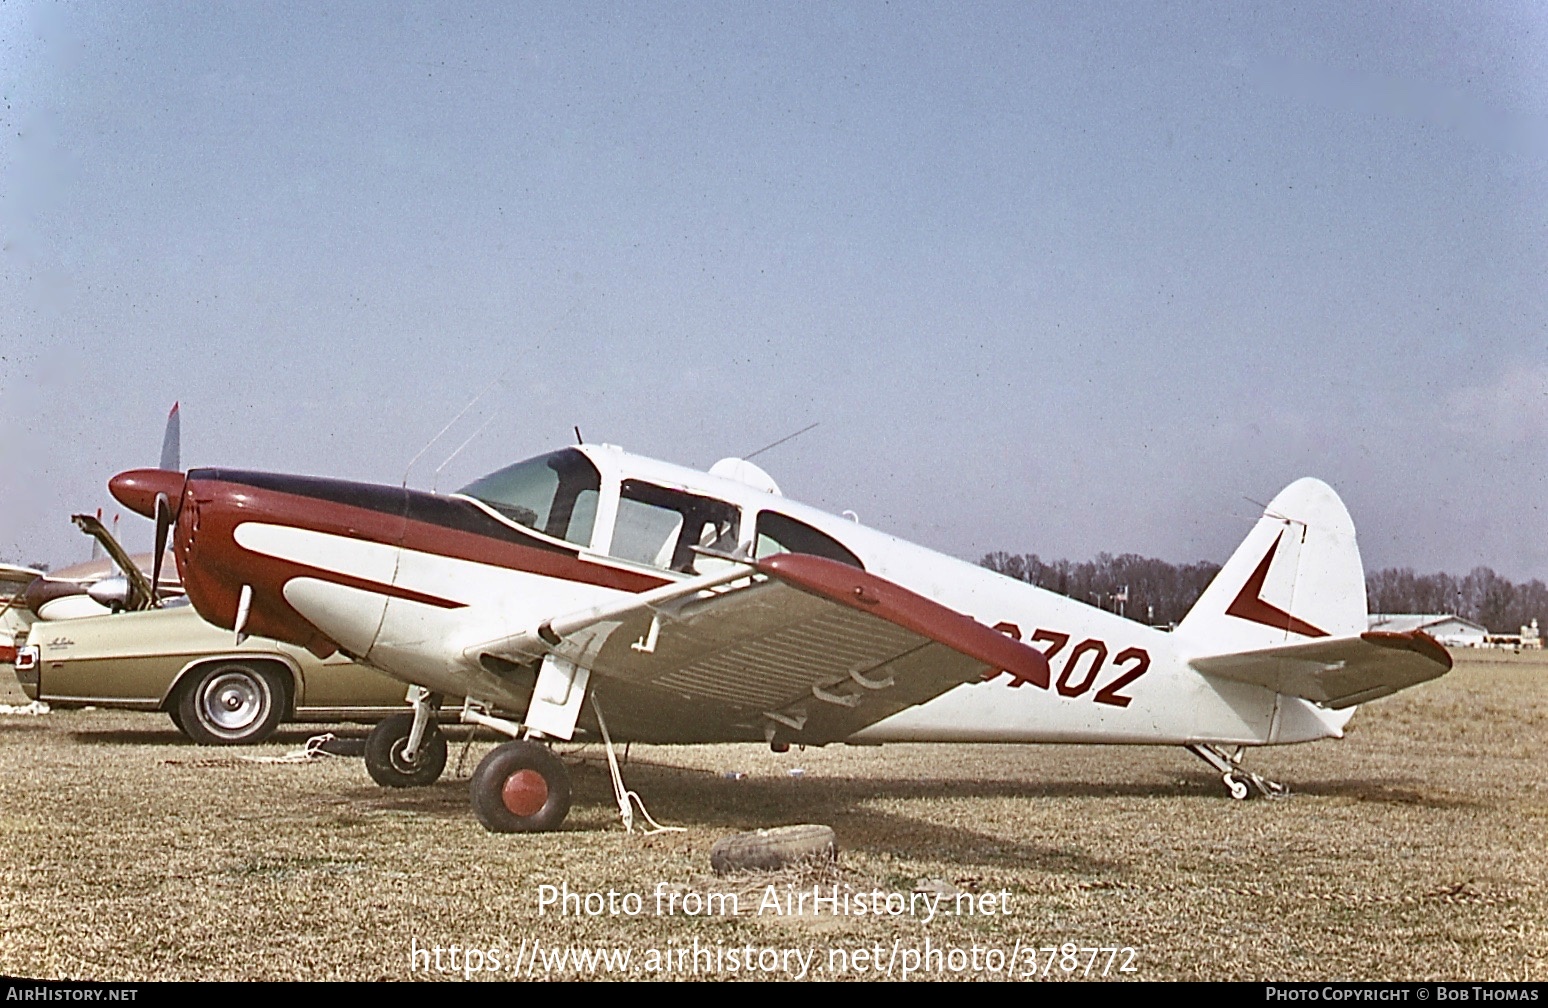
[1338,672]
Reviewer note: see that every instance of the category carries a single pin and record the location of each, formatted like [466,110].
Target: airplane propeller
[166,516]
[150,492]
[165,519]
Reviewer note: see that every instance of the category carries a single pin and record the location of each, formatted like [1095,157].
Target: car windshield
[556,494]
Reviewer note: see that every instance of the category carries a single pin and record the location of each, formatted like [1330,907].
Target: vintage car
[15,616]
[216,691]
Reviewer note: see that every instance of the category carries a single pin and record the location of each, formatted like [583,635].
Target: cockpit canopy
[665,527]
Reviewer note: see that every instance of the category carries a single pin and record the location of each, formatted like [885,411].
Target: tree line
[1161,593]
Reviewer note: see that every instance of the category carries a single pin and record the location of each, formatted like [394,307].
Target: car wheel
[384,754]
[521,787]
[230,703]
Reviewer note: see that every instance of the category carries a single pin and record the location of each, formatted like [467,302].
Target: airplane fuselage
[411,583]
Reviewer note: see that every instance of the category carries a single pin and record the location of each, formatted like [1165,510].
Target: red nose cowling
[137,489]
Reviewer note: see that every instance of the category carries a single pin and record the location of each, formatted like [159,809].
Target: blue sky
[1053,278]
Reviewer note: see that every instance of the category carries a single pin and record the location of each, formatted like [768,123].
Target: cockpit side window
[779,533]
[660,527]
[556,494]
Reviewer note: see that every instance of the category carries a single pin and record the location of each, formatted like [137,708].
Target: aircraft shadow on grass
[780,802]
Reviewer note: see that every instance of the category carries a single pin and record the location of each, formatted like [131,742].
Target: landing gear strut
[408,750]
[522,787]
[1239,782]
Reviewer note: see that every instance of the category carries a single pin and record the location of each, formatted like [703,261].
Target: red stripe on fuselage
[365,584]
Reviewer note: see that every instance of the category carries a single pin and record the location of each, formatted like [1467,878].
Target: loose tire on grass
[773,849]
[230,703]
[384,749]
[521,787]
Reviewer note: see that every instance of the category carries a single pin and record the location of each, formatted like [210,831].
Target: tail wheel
[386,754]
[521,787]
[230,703]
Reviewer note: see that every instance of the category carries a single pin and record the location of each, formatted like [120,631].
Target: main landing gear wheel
[1236,786]
[230,703]
[388,762]
[521,787]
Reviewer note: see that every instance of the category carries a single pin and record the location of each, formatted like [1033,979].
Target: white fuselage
[1113,680]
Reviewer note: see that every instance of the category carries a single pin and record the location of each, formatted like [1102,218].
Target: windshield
[555,494]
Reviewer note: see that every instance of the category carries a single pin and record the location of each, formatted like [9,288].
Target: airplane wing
[1337,672]
[13,577]
[793,648]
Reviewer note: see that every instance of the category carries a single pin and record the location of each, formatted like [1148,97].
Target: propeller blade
[164,519]
[172,442]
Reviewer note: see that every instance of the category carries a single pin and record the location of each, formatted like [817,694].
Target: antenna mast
[782,440]
[448,427]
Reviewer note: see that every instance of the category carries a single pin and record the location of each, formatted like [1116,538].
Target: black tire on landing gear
[384,758]
[521,787]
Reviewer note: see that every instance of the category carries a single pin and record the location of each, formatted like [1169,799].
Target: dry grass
[1413,849]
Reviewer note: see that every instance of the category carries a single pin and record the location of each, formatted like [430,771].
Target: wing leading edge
[1339,672]
[800,649]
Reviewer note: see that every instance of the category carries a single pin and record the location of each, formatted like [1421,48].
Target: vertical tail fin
[1296,577]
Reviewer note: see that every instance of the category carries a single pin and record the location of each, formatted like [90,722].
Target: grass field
[1412,849]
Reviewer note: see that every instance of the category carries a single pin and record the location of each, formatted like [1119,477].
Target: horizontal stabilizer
[1338,672]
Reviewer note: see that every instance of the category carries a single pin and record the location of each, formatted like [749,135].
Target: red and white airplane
[591,593]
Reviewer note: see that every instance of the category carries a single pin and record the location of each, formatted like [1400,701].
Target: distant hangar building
[1452,631]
